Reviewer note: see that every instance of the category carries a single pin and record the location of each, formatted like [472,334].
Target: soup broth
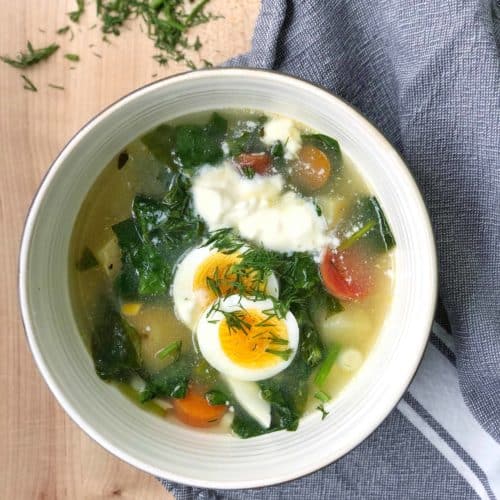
[231,271]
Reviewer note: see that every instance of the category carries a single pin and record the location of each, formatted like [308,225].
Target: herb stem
[348,242]
[173,348]
[29,85]
[196,10]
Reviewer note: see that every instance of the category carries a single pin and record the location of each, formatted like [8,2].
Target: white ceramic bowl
[160,447]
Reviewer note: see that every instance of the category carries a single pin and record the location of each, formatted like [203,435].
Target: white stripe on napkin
[414,418]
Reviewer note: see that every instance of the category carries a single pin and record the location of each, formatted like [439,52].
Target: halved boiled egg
[203,272]
[244,339]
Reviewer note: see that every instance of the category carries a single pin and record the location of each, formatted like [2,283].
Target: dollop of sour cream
[259,209]
[283,130]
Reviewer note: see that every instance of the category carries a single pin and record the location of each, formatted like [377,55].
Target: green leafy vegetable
[196,145]
[375,230]
[114,347]
[32,56]
[245,137]
[170,382]
[326,365]
[216,397]
[327,144]
[153,239]
[87,260]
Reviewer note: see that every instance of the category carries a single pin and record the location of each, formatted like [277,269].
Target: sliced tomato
[346,274]
[194,409]
[260,163]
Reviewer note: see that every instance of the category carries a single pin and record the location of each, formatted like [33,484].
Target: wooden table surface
[43,454]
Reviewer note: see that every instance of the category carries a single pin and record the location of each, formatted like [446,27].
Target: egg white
[190,304]
[207,335]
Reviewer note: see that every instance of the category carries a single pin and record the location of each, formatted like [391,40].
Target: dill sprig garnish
[32,56]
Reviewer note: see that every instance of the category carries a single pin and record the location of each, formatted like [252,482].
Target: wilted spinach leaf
[170,382]
[380,237]
[328,145]
[154,237]
[245,137]
[196,145]
[114,348]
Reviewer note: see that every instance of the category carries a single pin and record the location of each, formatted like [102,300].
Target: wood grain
[43,453]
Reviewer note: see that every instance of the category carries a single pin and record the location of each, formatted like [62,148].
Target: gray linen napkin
[427,73]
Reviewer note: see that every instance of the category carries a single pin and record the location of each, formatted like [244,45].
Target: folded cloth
[427,73]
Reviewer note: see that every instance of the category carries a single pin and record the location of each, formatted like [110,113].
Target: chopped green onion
[326,366]
[322,396]
[173,348]
[348,242]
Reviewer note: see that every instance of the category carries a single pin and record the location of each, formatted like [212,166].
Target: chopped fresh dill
[28,84]
[174,348]
[97,55]
[76,14]
[167,24]
[248,172]
[53,86]
[32,56]
[282,354]
[324,413]
[63,30]
[72,57]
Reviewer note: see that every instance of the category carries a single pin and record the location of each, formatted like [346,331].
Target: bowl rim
[27,234]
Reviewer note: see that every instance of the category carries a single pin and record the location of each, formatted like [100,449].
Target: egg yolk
[252,339]
[216,269]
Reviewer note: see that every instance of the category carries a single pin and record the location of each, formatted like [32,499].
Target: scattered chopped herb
[173,348]
[87,260]
[72,57]
[167,23]
[282,354]
[324,413]
[53,86]
[32,56]
[41,30]
[63,30]
[248,172]
[76,14]
[326,366]
[97,55]
[28,84]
